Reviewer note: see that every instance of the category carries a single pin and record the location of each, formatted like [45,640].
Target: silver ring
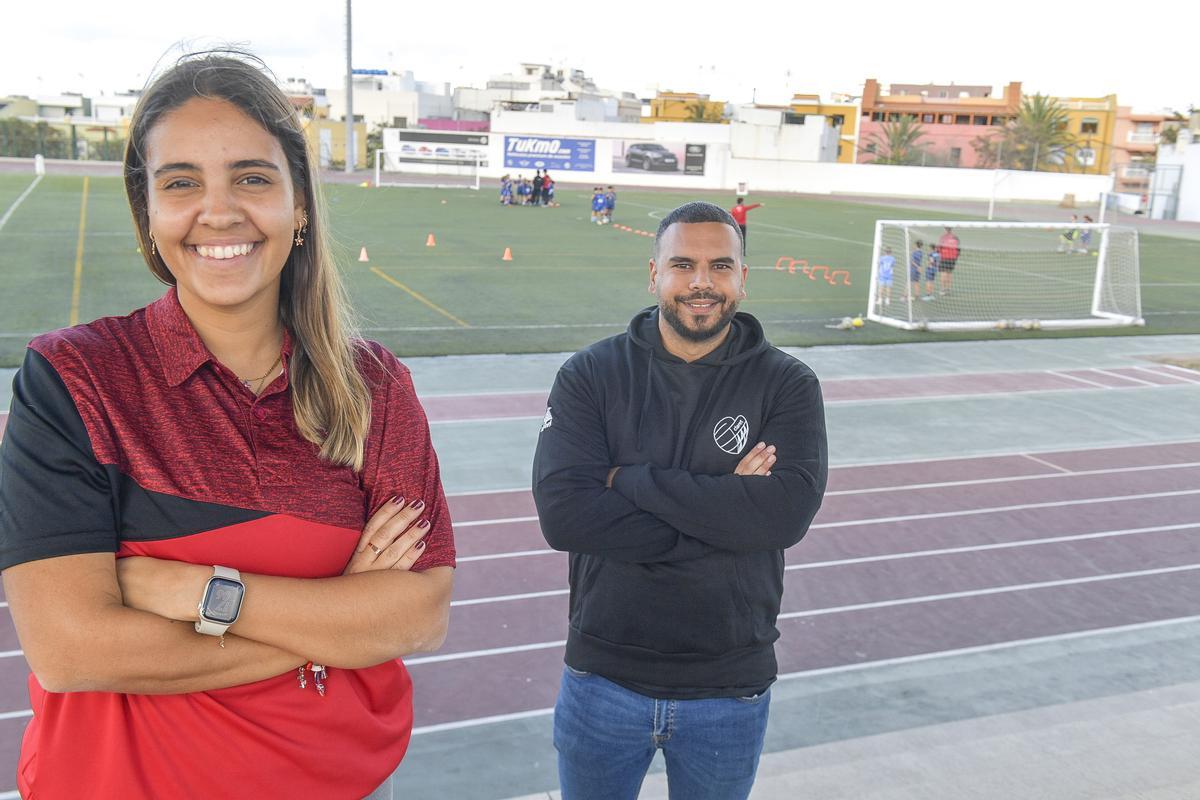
[374,549]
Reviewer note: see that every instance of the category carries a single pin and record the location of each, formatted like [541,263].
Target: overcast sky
[762,49]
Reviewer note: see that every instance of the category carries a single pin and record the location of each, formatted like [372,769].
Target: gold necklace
[259,381]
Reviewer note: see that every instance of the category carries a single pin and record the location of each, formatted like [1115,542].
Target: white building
[392,100]
[537,88]
[1179,167]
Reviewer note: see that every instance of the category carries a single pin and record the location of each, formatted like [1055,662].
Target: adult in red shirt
[739,212]
[948,251]
[221,518]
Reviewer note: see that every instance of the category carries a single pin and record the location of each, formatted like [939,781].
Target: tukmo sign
[554,154]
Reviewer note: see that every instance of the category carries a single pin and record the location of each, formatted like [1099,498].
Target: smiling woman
[231,456]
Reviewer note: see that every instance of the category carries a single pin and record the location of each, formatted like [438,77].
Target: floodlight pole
[351,151]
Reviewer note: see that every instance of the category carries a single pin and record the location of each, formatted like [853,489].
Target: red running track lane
[464,407]
[1002,584]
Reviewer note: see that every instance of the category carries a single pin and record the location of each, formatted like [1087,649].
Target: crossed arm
[639,512]
[92,623]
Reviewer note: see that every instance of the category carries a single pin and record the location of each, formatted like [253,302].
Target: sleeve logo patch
[547,420]
[731,434]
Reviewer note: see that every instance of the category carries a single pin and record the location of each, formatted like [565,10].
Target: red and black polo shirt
[127,436]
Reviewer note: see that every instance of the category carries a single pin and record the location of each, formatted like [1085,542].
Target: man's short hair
[693,212]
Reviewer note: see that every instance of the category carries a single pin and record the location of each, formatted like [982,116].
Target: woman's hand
[170,589]
[394,538]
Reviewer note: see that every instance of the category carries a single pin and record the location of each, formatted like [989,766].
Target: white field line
[1096,384]
[1124,377]
[494,651]
[515,554]
[903,462]
[1191,373]
[860,666]
[842,562]
[928,515]
[20,199]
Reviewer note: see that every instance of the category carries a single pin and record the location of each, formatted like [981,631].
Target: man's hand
[758,461]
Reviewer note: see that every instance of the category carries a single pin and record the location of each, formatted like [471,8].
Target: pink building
[951,117]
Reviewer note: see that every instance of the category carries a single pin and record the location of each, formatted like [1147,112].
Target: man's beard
[698,334]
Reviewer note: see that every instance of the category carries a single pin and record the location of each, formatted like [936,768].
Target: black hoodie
[677,570]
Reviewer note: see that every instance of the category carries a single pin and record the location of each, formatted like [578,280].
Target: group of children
[936,263]
[1074,240]
[526,192]
[603,203]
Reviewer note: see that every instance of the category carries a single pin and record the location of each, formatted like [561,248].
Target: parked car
[651,156]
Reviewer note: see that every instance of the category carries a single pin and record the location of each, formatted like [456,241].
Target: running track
[905,560]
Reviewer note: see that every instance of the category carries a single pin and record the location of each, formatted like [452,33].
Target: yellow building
[327,137]
[685,107]
[1093,125]
[843,115]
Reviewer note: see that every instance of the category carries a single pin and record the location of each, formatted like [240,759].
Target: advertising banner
[638,155]
[553,153]
[415,146]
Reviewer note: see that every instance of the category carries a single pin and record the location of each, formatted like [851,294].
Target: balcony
[1142,137]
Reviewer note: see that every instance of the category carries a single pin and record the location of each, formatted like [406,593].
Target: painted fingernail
[423,524]
[417,505]
[398,500]
[419,545]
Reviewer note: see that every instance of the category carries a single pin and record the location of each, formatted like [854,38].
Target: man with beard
[676,462]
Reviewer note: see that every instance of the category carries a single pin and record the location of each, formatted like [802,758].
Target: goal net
[454,169]
[936,275]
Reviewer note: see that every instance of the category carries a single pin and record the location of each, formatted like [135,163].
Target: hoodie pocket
[686,607]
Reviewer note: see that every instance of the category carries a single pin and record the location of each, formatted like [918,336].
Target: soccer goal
[433,170]
[947,276]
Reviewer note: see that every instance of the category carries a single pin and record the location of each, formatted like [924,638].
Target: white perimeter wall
[1185,152]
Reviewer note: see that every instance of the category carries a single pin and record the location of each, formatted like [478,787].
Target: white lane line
[515,554]
[908,517]
[1018,587]
[831,610]
[1000,509]
[1046,463]
[21,199]
[1177,379]
[504,598]
[1191,374]
[841,562]
[1162,372]
[859,666]
[28,712]
[11,653]
[494,651]
[1096,384]
[463,420]
[904,462]
[1063,472]
[1124,377]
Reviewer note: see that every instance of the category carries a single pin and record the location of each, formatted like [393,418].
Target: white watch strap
[208,627]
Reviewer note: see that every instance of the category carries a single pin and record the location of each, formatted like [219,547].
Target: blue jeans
[606,736]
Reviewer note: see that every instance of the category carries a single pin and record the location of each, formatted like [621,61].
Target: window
[946,119]
[981,119]
[962,119]
[871,147]
[1089,125]
[792,118]
[839,152]
[838,120]
[1085,156]
[955,156]
[877,116]
[927,118]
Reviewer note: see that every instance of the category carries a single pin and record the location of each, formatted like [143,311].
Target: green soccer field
[569,283]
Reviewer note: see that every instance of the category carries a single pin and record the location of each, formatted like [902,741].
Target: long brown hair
[330,399]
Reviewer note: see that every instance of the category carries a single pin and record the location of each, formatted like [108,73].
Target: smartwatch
[222,601]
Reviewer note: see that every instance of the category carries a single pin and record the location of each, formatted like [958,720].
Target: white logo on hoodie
[547,420]
[731,434]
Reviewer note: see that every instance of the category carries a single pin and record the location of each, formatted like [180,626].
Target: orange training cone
[430,241]
[362,255]
[507,254]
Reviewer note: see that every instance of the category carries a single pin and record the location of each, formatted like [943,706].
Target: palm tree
[703,111]
[1037,139]
[899,142]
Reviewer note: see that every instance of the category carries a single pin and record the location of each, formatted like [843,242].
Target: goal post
[460,170]
[954,275]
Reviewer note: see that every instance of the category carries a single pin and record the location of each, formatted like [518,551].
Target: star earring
[153,245]
[299,240]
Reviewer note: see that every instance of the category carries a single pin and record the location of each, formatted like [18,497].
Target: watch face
[223,600]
